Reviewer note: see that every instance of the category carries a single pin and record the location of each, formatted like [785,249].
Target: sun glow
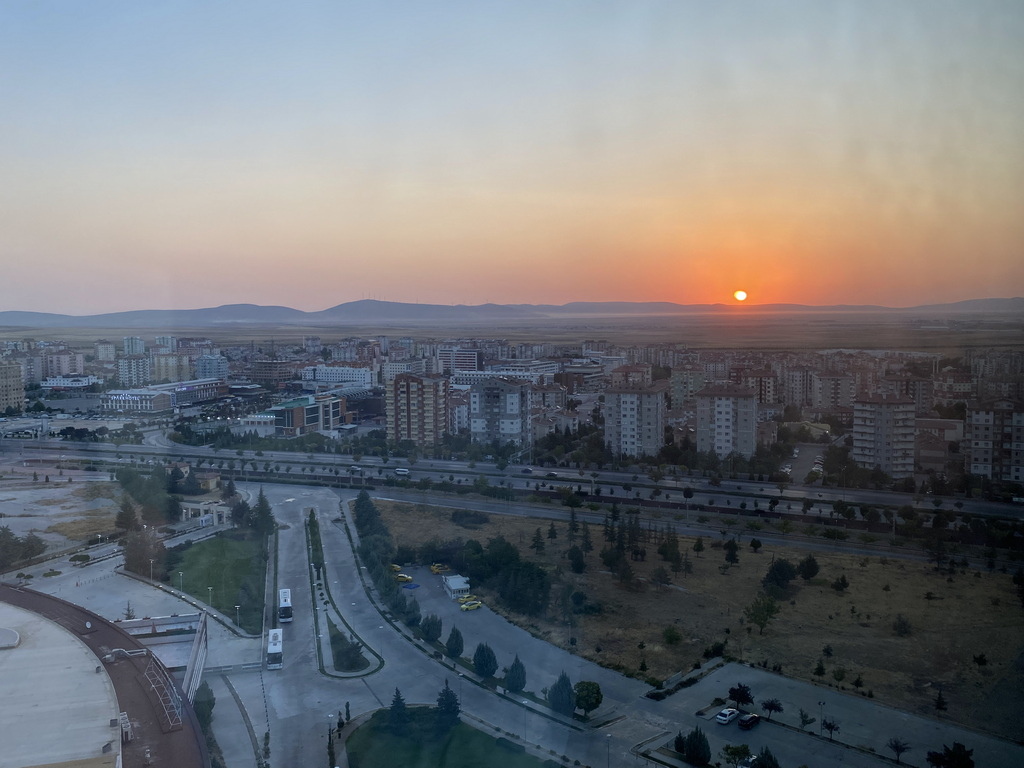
[740,295]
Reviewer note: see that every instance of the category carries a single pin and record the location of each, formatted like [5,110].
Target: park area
[226,570]
[946,644]
[420,745]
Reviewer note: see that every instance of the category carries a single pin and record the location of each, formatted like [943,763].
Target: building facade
[634,419]
[883,434]
[416,409]
[727,420]
[995,440]
[499,410]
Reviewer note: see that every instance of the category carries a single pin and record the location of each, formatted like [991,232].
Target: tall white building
[134,370]
[727,420]
[634,419]
[883,433]
[211,367]
[133,345]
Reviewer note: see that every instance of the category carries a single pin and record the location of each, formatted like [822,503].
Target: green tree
[454,645]
[588,696]
[126,518]
[430,627]
[537,545]
[696,750]
[731,551]
[448,708]
[957,756]
[897,746]
[771,707]
[515,679]
[561,697]
[698,547]
[779,574]
[765,759]
[398,714]
[203,705]
[740,693]
[762,611]
[484,661]
[807,568]
[732,754]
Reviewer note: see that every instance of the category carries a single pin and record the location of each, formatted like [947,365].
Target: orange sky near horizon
[812,151]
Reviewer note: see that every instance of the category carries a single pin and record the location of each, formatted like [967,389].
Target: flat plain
[952,618]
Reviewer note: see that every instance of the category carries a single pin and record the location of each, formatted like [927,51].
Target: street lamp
[181,581]
[821,728]
[209,599]
[608,750]
[151,569]
[237,622]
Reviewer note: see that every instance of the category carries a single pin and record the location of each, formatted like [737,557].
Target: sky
[175,154]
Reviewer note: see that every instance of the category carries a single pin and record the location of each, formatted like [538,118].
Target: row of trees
[14,549]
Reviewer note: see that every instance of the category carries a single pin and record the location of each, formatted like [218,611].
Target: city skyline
[815,153]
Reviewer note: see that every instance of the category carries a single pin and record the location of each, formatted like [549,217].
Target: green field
[373,745]
[234,564]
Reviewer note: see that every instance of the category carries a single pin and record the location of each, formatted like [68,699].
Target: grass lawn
[234,564]
[374,744]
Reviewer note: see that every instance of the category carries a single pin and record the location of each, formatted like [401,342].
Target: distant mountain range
[372,312]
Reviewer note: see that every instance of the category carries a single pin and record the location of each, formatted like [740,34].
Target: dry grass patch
[84,525]
[953,619]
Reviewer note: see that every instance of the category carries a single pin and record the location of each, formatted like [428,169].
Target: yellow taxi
[437,568]
[466,598]
[402,578]
[472,605]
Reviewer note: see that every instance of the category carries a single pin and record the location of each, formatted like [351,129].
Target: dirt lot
[59,512]
[952,619]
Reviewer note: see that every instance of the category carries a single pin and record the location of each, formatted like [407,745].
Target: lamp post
[181,581]
[237,622]
[150,569]
[608,750]
[821,728]
[209,599]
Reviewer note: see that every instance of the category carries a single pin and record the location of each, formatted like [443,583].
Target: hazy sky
[188,154]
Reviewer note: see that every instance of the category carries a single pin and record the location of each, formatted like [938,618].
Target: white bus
[275,649]
[284,606]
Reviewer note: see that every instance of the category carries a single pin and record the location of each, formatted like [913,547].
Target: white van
[401,471]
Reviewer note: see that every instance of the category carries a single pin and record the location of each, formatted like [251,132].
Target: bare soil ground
[60,512]
[953,618]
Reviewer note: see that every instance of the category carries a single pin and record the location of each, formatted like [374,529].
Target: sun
[740,295]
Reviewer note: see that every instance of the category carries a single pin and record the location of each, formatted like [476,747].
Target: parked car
[472,605]
[749,721]
[466,598]
[727,715]
[403,578]
[395,567]
[437,568]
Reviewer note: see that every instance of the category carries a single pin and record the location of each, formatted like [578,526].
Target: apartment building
[883,433]
[995,440]
[634,418]
[12,389]
[416,409]
[134,370]
[832,390]
[133,345]
[499,409]
[105,351]
[171,367]
[685,382]
[727,420]
[211,367]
